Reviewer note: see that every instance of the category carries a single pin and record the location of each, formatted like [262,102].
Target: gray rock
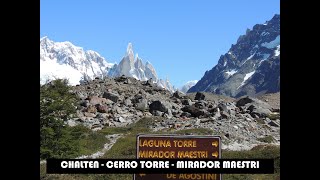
[194,111]
[169,114]
[159,106]
[244,101]
[97,100]
[112,96]
[207,120]
[260,112]
[137,98]
[90,109]
[274,124]
[177,94]
[84,103]
[87,114]
[200,104]
[224,115]
[185,114]
[102,116]
[102,108]
[223,107]
[127,102]
[248,101]
[121,119]
[197,123]
[187,102]
[127,81]
[157,113]
[142,105]
[199,96]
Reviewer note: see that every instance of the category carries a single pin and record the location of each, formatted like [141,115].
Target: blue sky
[181,38]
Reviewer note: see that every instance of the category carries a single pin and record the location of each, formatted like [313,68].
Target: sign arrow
[215,143]
[215,154]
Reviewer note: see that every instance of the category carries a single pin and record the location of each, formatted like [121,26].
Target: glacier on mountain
[188,85]
[65,60]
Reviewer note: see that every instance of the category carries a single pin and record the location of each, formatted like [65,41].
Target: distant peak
[43,38]
[276,16]
[129,49]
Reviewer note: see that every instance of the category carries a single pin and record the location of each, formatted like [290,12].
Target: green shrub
[58,140]
[274,116]
[267,139]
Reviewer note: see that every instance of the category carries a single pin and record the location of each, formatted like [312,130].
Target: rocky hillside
[250,67]
[118,102]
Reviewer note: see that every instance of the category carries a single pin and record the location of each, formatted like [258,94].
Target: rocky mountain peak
[130,53]
[250,67]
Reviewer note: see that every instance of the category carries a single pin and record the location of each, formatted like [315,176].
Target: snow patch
[272,44]
[250,57]
[246,77]
[265,57]
[277,51]
[50,70]
[232,72]
[225,63]
[207,86]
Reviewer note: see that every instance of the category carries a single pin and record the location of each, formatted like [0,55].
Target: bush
[58,140]
[274,116]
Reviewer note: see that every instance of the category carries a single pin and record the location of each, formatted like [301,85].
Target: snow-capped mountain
[132,66]
[188,85]
[65,60]
[250,67]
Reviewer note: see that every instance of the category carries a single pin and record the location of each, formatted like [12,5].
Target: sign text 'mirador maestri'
[177,147]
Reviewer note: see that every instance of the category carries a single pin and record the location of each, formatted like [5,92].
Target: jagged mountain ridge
[132,66]
[65,60]
[250,67]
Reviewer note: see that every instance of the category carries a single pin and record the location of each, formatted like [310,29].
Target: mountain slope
[65,60]
[250,67]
